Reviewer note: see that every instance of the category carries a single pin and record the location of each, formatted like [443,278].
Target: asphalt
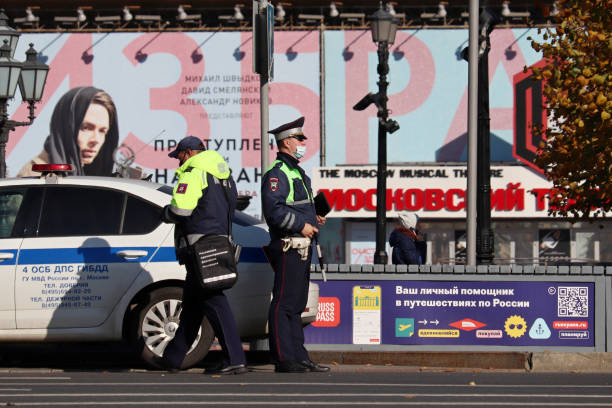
[345,386]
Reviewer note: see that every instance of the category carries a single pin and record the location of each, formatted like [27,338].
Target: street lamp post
[30,75]
[380,256]
[384,27]
[484,233]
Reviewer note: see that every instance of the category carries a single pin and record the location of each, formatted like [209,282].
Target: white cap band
[288,133]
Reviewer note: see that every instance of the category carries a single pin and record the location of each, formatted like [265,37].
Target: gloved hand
[167,216]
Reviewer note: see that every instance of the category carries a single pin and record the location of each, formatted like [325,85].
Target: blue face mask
[299,152]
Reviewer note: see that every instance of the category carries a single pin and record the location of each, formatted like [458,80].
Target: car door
[11,236]
[80,262]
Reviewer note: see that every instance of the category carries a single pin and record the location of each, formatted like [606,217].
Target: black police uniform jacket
[199,205]
[286,217]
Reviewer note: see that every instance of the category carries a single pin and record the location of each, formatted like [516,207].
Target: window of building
[585,246]
[604,243]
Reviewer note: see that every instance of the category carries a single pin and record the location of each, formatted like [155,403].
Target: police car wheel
[156,321]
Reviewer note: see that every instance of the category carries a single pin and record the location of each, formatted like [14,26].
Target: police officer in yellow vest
[200,207]
[289,211]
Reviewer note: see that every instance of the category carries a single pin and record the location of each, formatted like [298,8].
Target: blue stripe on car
[13,260]
[253,255]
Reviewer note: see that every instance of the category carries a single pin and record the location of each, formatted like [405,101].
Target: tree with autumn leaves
[576,150]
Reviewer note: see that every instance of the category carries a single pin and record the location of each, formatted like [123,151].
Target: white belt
[300,243]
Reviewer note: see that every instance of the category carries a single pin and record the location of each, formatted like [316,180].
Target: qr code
[573,301]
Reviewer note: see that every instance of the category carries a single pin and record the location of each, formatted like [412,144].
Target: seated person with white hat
[409,247]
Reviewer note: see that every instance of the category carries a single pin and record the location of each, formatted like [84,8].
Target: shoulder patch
[273,184]
[182,188]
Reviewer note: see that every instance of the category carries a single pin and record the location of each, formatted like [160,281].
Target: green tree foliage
[576,151]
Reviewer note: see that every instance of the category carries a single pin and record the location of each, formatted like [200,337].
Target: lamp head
[384,26]
[30,17]
[181,14]
[555,9]
[333,10]
[10,70]
[81,17]
[127,15]
[487,22]
[237,13]
[280,12]
[33,76]
[442,9]
[8,33]
[505,9]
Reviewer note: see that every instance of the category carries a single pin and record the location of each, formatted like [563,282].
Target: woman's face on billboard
[92,133]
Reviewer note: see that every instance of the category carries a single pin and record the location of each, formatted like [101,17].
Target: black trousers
[289,298]
[214,305]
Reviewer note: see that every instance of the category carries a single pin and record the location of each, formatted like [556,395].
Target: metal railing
[331,269]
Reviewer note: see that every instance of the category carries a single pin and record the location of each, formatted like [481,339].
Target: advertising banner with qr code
[478,313]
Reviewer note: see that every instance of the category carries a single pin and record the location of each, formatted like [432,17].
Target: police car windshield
[240,218]
[165,189]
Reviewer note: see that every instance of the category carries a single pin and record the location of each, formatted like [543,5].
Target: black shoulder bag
[215,257]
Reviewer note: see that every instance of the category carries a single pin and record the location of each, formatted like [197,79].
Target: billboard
[428,94]
[167,85]
[453,313]
[432,191]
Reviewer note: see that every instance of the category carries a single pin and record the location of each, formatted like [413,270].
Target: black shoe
[215,368]
[314,367]
[290,367]
[164,364]
[227,369]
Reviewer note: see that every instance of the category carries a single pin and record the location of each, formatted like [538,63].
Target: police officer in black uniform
[289,211]
[199,211]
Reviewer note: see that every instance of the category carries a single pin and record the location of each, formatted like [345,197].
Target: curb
[537,362]
[480,360]
[593,362]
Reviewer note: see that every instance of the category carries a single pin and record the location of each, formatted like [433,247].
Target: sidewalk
[477,360]
[591,362]
[119,357]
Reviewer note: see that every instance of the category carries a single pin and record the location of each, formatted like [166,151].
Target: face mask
[299,152]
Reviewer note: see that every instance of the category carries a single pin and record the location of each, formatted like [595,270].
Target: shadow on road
[93,356]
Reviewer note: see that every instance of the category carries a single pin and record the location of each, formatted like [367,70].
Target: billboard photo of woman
[83,133]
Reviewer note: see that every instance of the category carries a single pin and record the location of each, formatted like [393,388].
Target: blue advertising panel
[466,313]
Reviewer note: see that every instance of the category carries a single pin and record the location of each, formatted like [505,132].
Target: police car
[88,258]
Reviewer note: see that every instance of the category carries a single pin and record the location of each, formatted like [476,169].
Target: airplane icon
[404,327]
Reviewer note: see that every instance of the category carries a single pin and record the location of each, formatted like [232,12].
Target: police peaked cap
[187,143]
[291,129]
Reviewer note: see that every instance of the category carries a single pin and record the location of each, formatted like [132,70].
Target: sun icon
[515,326]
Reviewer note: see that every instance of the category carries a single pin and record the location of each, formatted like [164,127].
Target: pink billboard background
[185,84]
[169,85]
